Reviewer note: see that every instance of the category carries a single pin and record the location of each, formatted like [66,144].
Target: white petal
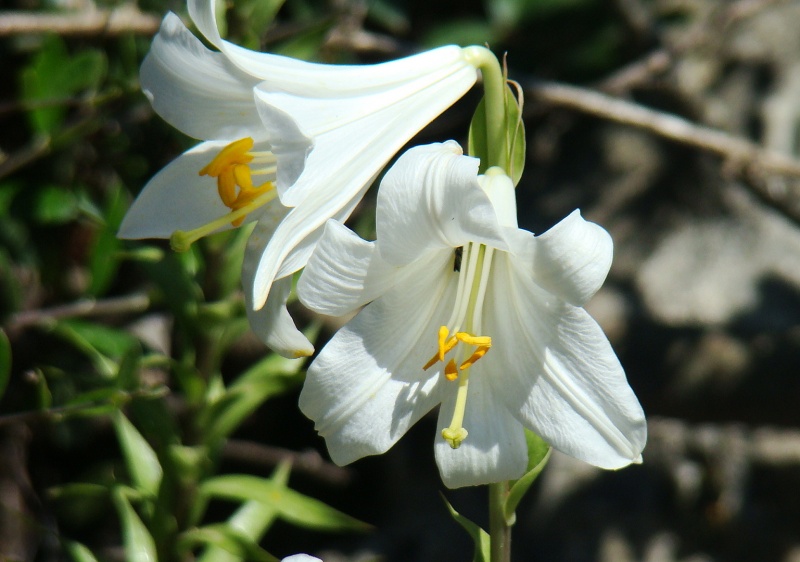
[294,240]
[556,370]
[284,74]
[495,448]
[334,132]
[344,273]
[196,90]
[272,322]
[300,558]
[572,259]
[431,199]
[367,386]
[177,198]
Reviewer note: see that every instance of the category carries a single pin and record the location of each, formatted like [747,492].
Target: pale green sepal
[139,543]
[479,536]
[140,458]
[292,506]
[538,455]
[78,552]
[515,137]
[252,519]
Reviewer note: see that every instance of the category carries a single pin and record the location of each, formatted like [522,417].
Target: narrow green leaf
[538,455]
[5,362]
[138,542]
[141,460]
[251,520]
[291,506]
[259,383]
[229,540]
[78,552]
[479,536]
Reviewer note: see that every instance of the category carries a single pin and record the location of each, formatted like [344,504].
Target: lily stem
[499,529]
[494,89]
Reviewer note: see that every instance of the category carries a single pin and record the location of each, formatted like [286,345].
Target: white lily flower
[468,311]
[316,134]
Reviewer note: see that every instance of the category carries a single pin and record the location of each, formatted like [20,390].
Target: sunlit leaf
[252,519]
[538,455]
[480,537]
[292,506]
[140,458]
[138,542]
[226,539]
[78,552]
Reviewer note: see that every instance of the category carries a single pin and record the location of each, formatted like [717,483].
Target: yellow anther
[445,345]
[234,176]
[450,370]
[474,340]
[480,352]
[237,152]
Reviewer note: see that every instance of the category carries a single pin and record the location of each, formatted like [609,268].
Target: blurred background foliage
[140,419]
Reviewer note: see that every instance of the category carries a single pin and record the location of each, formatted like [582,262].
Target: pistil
[468,307]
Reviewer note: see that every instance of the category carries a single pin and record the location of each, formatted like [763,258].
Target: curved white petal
[367,386]
[323,135]
[196,90]
[284,74]
[272,323]
[431,199]
[495,448]
[555,369]
[344,273]
[177,198]
[572,259]
[294,240]
[301,558]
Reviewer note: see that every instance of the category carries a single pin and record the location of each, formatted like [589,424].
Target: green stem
[499,530]
[494,88]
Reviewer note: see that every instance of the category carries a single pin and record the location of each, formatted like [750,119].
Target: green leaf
[515,136]
[140,458]
[138,542]
[54,77]
[227,539]
[269,377]
[538,455]
[55,205]
[251,520]
[5,362]
[291,506]
[103,263]
[78,552]
[479,536]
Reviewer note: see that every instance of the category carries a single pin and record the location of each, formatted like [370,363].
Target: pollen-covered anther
[234,176]
[446,344]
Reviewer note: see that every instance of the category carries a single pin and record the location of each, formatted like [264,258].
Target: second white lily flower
[466,310]
[317,135]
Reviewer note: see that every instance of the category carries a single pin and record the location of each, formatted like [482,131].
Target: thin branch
[124,19]
[137,302]
[308,462]
[752,161]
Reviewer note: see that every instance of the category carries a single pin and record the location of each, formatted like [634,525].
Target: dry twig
[124,19]
[752,161]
